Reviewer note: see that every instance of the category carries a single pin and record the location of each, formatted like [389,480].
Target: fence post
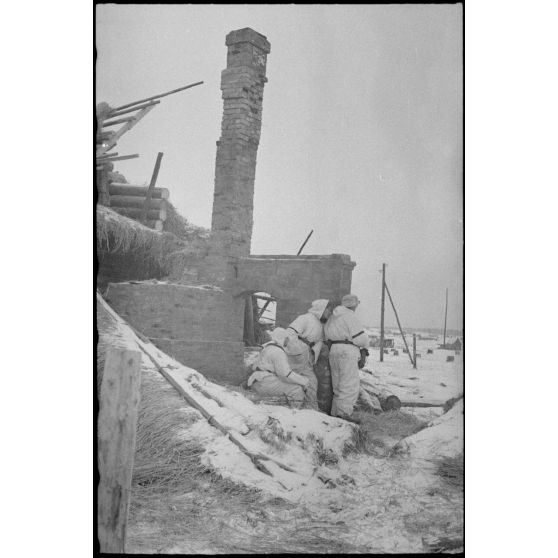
[116,430]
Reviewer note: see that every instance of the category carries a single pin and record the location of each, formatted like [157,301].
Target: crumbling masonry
[199,317]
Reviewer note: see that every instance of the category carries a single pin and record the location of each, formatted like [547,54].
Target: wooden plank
[161,95]
[116,430]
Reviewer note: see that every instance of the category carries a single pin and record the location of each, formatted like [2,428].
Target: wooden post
[446,318]
[399,324]
[249,322]
[116,430]
[304,243]
[151,186]
[414,350]
[103,187]
[382,313]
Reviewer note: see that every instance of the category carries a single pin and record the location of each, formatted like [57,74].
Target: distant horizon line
[418,329]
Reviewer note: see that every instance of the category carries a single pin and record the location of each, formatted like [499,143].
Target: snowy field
[364,502]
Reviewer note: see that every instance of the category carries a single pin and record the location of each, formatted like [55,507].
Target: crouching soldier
[345,336]
[306,337]
[273,375]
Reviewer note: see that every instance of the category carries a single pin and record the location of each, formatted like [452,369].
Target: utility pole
[382,314]
[399,324]
[445,318]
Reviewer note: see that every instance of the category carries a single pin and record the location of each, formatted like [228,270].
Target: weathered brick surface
[242,84]
[294,280]
[178,311]
[223,361]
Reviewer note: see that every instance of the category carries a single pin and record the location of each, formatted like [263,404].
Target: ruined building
[197,314]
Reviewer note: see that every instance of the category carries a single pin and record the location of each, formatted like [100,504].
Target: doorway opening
[260,311]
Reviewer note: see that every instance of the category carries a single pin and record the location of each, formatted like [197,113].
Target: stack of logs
[129,200]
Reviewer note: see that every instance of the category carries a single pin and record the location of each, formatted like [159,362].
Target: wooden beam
[107,156]
[157,96]
[120,158]
[116,430]
[117,135]
[152,185]
[113,113]
[304,243]
[118,121]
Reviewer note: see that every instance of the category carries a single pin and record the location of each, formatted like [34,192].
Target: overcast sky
[361,135]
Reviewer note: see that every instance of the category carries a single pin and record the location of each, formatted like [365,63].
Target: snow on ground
[433,381]
[383,503]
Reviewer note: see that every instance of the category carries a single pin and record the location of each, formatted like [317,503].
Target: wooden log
[119,189]
[117,121]
[116,429]
[368,401]
[136,213]
[388,400]
[137,201]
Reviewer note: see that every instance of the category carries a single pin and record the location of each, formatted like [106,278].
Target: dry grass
[181,227]
[378,433]
[119,234]
[452,471]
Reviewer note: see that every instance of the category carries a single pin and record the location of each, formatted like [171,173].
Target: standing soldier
[346,335]
[306,337]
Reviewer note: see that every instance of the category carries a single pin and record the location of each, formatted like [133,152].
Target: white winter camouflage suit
[343,358]
[272,374]
[303,357]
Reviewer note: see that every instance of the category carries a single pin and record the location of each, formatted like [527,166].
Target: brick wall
[294,280]
[202,328]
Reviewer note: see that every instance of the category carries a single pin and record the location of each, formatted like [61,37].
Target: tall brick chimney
[242,84]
